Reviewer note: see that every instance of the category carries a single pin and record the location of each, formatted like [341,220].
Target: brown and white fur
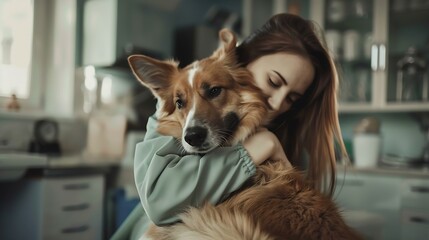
[214,102]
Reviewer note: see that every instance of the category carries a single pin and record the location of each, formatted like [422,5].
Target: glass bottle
[412,79]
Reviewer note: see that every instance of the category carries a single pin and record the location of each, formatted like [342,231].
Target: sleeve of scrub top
[169,181]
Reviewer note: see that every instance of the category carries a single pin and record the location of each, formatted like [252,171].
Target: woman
[310,124]
[292,67]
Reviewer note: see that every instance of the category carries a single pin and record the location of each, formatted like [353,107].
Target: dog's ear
[153,73]
[227,39]
[227,44]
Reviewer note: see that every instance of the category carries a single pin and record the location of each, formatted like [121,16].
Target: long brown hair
[311,126]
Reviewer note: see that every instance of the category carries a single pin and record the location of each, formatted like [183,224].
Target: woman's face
[283,77]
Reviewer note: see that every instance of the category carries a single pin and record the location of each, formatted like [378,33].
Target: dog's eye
[214,92]
[179,103]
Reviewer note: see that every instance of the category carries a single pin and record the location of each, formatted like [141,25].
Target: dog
[214,102]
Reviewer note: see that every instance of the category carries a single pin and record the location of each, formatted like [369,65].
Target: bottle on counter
[13,103]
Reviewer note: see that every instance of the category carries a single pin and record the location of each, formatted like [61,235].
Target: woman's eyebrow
[286,83]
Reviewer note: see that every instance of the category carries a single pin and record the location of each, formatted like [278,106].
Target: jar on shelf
[412,77]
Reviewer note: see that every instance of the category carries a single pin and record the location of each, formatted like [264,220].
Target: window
[16,39]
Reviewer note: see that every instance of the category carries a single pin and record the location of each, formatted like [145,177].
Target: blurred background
[71,112]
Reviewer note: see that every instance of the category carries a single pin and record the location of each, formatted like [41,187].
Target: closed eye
[292,97]
[273,84]
[290,100]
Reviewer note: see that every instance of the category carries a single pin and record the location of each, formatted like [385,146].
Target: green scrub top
[169,180]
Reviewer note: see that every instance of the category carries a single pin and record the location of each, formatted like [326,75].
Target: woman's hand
[264,145]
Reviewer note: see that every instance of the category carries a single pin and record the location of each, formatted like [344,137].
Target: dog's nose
[195,136]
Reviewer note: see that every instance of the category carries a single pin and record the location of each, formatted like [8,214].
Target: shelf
[33,115]
[359,63]
[390,107]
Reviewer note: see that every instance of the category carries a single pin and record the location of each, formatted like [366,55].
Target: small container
[366,150]
[367,143]
[336,10]
[334,42]
[352,45]
[358,8]
[363,85]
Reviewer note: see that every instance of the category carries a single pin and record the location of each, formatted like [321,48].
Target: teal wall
[401,132]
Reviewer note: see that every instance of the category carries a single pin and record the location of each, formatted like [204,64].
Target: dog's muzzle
[196,136]
[202,138]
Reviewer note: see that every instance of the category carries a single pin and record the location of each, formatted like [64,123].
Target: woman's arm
[265,145]
[169,181]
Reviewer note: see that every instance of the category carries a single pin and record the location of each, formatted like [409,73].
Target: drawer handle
[78,229]
[76,186]
[418,220]
[420,189]
[77,207]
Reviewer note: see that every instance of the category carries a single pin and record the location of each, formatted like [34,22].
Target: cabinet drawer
[415,225]
[85,223]
[69,193]
[81,232]
[58,219]
[367,192]
[415,193]
[73,208]
[376,194]
[351,191]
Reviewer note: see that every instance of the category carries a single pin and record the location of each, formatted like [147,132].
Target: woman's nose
[275,102]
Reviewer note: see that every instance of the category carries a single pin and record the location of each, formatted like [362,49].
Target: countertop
[14,165]
[387,170]
[82,161]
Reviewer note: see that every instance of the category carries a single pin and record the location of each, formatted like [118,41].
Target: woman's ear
[154,74]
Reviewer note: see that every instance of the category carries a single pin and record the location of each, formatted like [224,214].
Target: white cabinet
[415,225]
[73,208]
[415,209]
[113,28]
[368,39]
[402,201]
[52,208]
[371,37]
[374,194]
[99,32]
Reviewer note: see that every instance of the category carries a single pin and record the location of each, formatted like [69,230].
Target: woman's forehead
[287,64]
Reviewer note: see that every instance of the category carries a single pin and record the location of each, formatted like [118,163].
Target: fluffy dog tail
[212,223]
